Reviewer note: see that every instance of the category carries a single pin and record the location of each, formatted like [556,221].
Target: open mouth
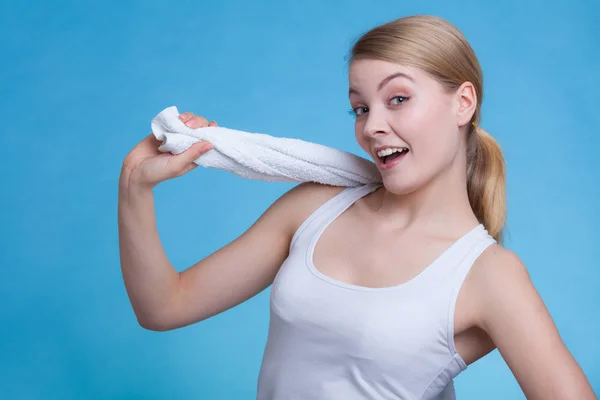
[390,154]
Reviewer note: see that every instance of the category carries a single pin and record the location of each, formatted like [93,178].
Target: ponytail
[486,185]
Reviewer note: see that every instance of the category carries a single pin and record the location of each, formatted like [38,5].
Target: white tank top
[332,340]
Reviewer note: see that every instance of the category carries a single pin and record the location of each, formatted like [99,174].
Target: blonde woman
[381,291]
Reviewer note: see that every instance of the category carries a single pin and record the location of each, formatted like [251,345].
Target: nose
[375,125]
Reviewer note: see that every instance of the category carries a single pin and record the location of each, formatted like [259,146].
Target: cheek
[433,140]
[436,125]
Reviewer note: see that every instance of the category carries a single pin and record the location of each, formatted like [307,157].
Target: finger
[196,122]
[188,168]
[149,144]
[191,154]
[153,141]
[213,123]
[185,116]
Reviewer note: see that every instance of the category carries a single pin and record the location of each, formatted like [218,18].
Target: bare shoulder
[510,310]
[498,277]
[304,199]
[498,263]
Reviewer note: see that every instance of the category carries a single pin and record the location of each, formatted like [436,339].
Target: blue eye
[358,111]
[404,99]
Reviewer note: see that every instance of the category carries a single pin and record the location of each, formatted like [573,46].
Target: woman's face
[404,108]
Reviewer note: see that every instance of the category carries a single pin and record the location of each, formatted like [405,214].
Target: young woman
[381,291]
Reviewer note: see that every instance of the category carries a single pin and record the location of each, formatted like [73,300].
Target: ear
[466,101]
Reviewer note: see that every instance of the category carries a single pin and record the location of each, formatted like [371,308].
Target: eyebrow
[385,81]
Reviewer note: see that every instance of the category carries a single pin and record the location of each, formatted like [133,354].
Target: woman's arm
[164,299]
[512,313]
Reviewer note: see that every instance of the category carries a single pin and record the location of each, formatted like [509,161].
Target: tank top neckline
[356,194]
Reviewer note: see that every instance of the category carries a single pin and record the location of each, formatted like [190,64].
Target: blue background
[80,82]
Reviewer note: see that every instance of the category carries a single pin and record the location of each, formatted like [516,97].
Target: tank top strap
[478,243]
[330,210]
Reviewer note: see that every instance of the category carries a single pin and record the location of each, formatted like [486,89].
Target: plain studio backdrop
[80,82]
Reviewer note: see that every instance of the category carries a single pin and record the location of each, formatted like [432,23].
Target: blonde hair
[439,48]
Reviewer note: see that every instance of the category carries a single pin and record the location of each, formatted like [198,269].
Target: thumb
[191,154]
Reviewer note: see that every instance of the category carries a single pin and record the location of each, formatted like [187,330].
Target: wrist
[131,187]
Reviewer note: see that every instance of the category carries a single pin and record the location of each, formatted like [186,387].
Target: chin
[399,186]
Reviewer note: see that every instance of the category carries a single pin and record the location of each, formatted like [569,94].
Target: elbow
[158,319]
[153,324]
[168,318]
[163,325]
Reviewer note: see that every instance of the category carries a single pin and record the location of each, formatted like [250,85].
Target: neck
[441,205]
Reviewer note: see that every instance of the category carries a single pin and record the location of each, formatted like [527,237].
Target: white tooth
[385,152]
[390,150]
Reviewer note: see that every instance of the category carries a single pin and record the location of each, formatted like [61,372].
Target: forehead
[370,72]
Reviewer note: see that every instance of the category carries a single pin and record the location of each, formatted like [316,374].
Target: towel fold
[263,157]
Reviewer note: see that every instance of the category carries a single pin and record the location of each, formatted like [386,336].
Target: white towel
[264,157]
